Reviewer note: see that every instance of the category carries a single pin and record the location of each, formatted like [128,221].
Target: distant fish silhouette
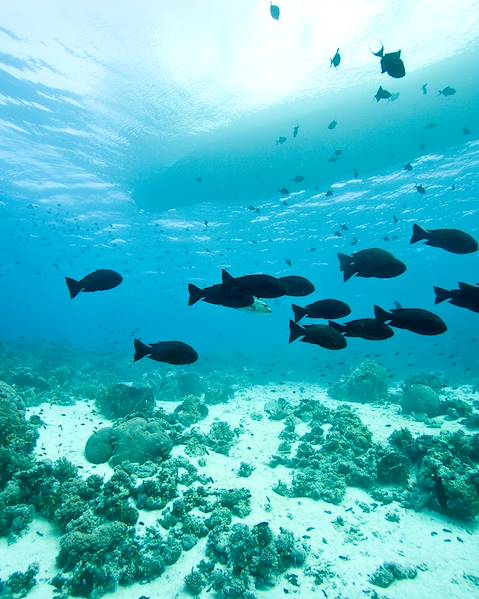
[424,89]
[447,91]
[275,11]
[295,131]
[281,139]
[332,125]
[408,166]
[298,179]
[335,60]
[420,189]
[382,94]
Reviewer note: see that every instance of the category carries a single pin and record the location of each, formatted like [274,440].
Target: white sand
[365,541]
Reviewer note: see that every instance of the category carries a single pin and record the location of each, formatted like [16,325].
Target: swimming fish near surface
[391,63]
[451,240]
[219,296]
[374,262]
[274,11]
[332,125]
[467,296]
[335,60]
[296,286]
[264,286]
[99,280]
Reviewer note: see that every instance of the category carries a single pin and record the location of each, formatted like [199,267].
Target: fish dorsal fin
[397,305]
[467,286]
[226,278]
[380,54]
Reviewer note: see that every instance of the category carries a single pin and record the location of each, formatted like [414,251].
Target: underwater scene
[239,282]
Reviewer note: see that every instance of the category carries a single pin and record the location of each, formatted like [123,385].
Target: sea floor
[350,547]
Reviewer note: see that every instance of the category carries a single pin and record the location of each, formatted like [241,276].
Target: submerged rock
[136,440]
[123,399]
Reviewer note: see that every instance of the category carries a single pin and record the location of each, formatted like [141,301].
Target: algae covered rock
[420,399]
[17,435]
[366,383]
[135,440]
[99,447]
[124,399]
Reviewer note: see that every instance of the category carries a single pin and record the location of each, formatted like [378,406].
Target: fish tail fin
[336,325]
[441,295]
[226,278]
[345,264]
[379,54]
[299,312]
[74,287]
[295,331]
[381,314]
[195,294]
[418,234]
[141,350]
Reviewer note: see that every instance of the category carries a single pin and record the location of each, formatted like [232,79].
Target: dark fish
[288,262]
[297,286]
[355,173]
[332,125]
[466,130]
[295,131]
[332,159]
[408,166]
[256,285]
[99,280]
[447,91]
[382,94]
[391,63]
[219,296]
[344,227]
[317,334]
[338,233]
[370,329]
[274,11]
[420,189]
[338,152]
[451,240]
[430,126]
[171,352]
[424,89]
[373,262]
[298,179]
[281,140]
[284,191]
[199,179]
[329,193]
[415,320]
[395,218]
[440,491]
[335,60]
[467,296]
[328,309]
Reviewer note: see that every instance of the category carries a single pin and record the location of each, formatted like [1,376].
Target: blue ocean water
[144,139]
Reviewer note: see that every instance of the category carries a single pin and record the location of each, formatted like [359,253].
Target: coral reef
[123,399]
[134,440]
[241,558]
[366,383]
[420,399]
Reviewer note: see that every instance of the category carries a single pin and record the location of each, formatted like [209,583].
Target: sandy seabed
[444,549]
